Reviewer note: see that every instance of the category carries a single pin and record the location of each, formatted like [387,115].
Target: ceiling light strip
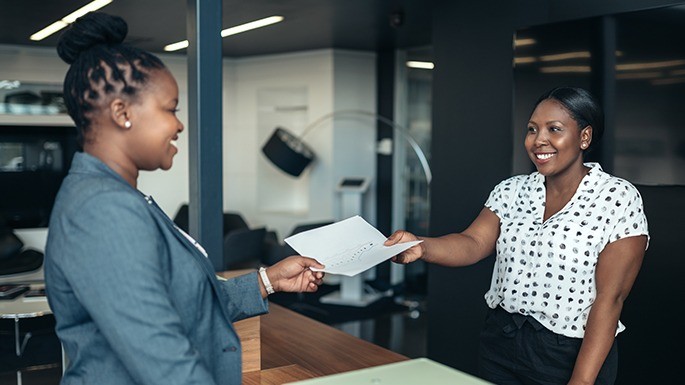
[90,7]
[231,31]
[49,30]
[251,25]
[70,18]
[424,65]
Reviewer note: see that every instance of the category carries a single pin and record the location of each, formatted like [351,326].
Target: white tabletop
[21,307]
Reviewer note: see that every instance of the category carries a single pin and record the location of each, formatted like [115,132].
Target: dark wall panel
[471,152]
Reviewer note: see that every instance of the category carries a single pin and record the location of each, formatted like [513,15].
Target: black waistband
[517,320]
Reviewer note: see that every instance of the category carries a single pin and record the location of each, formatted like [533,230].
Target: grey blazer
[135,302]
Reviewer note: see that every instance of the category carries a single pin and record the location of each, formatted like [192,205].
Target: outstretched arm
[458,249]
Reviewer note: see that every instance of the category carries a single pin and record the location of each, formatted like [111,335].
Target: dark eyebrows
[548,123]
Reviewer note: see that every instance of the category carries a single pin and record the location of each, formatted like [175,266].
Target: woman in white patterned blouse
[569,241]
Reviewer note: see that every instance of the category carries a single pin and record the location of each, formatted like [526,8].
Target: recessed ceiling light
[231,31]
[68,19]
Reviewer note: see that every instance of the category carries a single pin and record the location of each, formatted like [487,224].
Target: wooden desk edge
[295,347]
[290,338]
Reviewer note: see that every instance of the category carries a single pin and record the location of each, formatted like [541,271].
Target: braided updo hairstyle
[100,65]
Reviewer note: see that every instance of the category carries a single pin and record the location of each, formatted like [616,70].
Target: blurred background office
[458,77]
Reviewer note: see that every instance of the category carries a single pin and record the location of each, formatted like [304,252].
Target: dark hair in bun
[88,31]
[100,65]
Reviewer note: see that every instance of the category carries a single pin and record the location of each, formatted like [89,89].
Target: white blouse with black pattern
[547,269]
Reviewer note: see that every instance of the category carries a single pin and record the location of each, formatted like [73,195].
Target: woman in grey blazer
[135,299]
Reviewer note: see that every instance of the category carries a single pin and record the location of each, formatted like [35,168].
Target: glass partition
[647,132]
[650,95]
[545,57]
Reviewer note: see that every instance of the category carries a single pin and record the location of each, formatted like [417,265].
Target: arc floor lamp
[292,155]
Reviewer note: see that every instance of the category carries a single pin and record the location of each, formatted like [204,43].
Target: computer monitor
[34,160]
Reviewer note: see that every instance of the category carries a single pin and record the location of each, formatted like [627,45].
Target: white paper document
[348,247]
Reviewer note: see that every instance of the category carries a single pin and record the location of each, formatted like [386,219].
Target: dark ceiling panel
[308,24]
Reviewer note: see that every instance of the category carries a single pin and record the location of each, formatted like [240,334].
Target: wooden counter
[294,347]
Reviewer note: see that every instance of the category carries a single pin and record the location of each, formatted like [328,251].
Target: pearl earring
[583,145]
[127,124]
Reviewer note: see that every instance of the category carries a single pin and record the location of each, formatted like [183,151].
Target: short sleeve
[502,196]
[631,221]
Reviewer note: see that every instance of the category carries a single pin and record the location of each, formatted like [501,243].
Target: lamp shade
[288,152]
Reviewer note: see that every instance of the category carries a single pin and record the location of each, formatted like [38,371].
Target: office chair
[243,248]
[275,251]
[10,244]
[308,226]
[23,262]
[14,259]
[234,221]
[231,220]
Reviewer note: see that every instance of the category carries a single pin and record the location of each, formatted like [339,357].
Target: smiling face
[554,141]
[154,125]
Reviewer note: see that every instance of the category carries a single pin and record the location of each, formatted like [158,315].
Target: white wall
[330,80]
[318,82]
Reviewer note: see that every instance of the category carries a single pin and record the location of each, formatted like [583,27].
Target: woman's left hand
[292,274]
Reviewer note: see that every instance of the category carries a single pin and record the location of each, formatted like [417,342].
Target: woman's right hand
[412,253]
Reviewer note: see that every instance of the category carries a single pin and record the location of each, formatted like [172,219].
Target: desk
[295,347]
[20,308]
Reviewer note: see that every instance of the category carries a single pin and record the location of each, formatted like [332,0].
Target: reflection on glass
[648,134]
[418,109]
[555,58]
[650,95]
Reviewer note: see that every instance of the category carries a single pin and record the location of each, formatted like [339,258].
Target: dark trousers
[516,350]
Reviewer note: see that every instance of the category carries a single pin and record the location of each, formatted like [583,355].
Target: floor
[402,332]
[396,323]
[393,322]
[41,358]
